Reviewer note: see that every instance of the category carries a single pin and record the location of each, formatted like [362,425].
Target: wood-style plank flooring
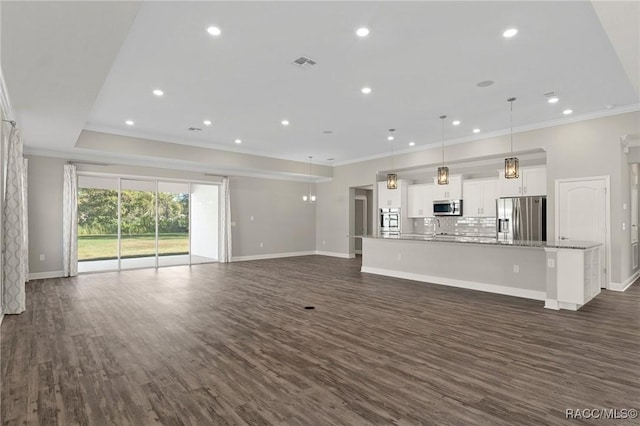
[231,344]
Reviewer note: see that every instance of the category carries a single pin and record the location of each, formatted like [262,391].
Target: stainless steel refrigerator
[522,218]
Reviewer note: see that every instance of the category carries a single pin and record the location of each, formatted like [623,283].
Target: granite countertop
[459,239]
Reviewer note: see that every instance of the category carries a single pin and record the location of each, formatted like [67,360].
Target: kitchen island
[563,273]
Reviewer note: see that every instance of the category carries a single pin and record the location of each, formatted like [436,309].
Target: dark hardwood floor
[231,344]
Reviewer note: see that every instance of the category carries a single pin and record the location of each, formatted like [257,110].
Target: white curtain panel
[70,221]
[225,223]
[25,216]
[13,251]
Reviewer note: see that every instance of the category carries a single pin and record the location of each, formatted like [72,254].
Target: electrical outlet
[624,226]
[233,224]
[251,218]
[42,257]
[323,242]
[261,245]
[399,256]
[551,263]
[516,268]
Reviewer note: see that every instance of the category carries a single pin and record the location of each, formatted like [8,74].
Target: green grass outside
[103,247]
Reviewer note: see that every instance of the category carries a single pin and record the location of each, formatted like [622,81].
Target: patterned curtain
[70,221]
[225,223]
[13,225]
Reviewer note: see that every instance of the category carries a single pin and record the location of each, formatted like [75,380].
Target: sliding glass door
[173,223]
[137,224]
[97,224]
[126,223]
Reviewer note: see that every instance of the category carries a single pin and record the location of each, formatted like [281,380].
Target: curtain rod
[12,122]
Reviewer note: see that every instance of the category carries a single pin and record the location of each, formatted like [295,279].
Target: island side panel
[479,267]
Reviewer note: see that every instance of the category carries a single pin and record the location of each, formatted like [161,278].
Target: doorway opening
[361,221]
[133,223]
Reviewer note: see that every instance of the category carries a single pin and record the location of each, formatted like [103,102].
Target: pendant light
[311,198]
[511,164]
[443,171]
[392,178]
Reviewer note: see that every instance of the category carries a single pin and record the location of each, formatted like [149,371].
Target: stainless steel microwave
[447,208]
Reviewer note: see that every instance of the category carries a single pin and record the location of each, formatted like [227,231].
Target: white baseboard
[43,275]
[335,254]
[551,304]
[1,318]
[271,256]
[490,288]
[626,284]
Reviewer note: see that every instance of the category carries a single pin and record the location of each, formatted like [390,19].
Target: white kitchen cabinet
[452,191]
[390,198]
[420,200]
[480,197]
[532,181]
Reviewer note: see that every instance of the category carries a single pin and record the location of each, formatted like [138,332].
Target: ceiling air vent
[194,129]
[303,62]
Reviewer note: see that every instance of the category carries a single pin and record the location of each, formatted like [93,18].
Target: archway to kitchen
[134,222]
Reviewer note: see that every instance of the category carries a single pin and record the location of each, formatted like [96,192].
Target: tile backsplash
[472,226]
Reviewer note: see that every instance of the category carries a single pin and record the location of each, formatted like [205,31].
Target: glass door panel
[173,223]
[204,223]
[137,224]
[97,224]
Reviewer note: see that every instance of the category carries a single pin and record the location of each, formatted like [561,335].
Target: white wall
[272,213]
[204,220]
[579,149]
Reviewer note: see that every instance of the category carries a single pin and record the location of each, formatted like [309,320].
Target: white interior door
[582,215]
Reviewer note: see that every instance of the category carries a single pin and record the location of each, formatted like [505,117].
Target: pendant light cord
[511,121]
[442,117]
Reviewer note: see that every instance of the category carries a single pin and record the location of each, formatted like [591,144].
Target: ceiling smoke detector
[304,62]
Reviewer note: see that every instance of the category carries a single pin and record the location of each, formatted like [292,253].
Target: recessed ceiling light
[362,32]
[366,90]
[390,138]
[553,99]
[129,123]
[476,130]
[412,143]
[567,111]
[214,31]
[207,122]
[158,92]
[285,122]
[509,33]
[238,141]
[456,122]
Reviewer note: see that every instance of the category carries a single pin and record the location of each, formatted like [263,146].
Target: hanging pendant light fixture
[511,164]
[392,178]
[311,198]
[443,171]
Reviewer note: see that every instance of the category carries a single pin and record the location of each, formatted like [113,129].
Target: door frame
[607,199]
[365,214]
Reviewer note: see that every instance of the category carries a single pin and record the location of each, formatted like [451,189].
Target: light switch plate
[551,263]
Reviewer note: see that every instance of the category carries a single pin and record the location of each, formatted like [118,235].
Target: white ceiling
[422,59]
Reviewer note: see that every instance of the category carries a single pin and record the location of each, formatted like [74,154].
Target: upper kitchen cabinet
[420,200]
[452,191]
[532,181]
[392,198]
[480,197]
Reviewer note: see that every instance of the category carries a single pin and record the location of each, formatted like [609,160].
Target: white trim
[551,304]
[358,251]
[569,306]
[1,318]
[607,200]
[272,256]
[335,254]
[43,275]
[626,284]
[488,135]
[471,285]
